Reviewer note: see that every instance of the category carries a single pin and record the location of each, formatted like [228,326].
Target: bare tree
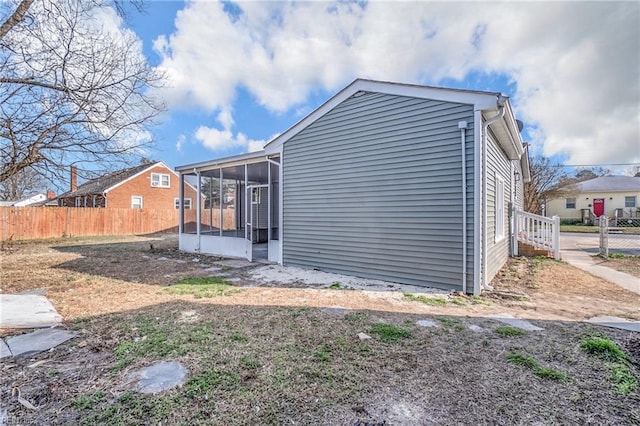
[74,88]
[546,177]
[21,184]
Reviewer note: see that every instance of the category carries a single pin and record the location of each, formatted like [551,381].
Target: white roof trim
[239,159]
[480,101]
[159,163]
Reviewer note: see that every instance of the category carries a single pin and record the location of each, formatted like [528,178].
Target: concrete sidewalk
[587,262]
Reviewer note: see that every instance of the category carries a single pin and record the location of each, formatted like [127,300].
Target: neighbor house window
[187,203]
[160,180]
[570,203]
[500,216]
[136,202]
[78,202]
[630,201]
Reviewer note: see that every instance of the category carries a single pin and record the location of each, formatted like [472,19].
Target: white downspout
[462,125]
[485,127]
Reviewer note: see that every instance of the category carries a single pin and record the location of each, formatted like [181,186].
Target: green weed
[389,332]
[607,350]
[508,331]
[86,402]
[335,286]
[451,323]
[624,379]
[604,348]
[249,363]
[206,381]
[532,364]
[431,301]
[201,287]
[238,337]
[460,301]
[323,354]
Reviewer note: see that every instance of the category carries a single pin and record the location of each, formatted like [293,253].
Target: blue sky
[240,73]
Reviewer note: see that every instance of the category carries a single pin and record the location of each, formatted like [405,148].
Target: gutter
[501,102]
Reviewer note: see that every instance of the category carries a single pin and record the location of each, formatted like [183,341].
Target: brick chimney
[50,194]
[74,178]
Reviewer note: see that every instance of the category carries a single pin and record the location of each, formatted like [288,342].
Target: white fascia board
[216,163]
[480,100]
[158,164]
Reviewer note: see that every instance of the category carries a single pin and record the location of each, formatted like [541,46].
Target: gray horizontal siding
[497,163]
[373,189]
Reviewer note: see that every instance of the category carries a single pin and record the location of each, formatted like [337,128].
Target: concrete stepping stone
[475,328]
[616,322]
[427,323]
[516,322]
[5,352]
[158,377]
[27,311]
[38,341]
[336,310]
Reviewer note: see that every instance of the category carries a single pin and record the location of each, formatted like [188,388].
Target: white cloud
[224,140]
[180,142]
[576,65]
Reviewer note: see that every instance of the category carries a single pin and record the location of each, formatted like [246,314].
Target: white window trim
[574,203]
[78,202]
[141,201]
[635,201]
[500,226]
[187,204]
[156,180]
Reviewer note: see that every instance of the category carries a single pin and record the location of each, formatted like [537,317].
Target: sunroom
[237,211]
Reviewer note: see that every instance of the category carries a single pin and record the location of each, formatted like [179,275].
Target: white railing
[541,232]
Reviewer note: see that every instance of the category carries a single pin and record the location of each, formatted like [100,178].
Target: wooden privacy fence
[25,223]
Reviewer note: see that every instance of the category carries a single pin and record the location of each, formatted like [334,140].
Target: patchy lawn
[264,354]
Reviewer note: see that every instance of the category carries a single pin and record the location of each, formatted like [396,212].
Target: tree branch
[15,18]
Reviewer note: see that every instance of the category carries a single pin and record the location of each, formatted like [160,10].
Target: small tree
[546,177]
[17,186]
[73,89]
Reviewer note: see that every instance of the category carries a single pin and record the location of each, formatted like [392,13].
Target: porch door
[598,207]
[248,226]
[255,216]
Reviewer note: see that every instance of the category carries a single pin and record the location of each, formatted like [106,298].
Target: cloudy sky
[240,73]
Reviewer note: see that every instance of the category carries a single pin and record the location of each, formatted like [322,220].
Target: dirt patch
[557,290]
[628,264]
[96,276]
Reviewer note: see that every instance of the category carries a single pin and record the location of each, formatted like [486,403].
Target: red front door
[598,207]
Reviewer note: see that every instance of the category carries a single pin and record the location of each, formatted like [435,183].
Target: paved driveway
[621,243]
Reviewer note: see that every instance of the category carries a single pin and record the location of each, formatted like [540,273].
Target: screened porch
[235,207]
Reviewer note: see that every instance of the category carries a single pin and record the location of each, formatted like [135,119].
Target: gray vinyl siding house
[402,183]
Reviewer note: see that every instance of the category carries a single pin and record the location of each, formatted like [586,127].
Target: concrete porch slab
[234,263]
[27,311]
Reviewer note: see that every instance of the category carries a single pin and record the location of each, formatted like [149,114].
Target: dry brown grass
[269,355]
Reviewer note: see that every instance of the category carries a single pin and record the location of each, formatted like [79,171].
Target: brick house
[148,186]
